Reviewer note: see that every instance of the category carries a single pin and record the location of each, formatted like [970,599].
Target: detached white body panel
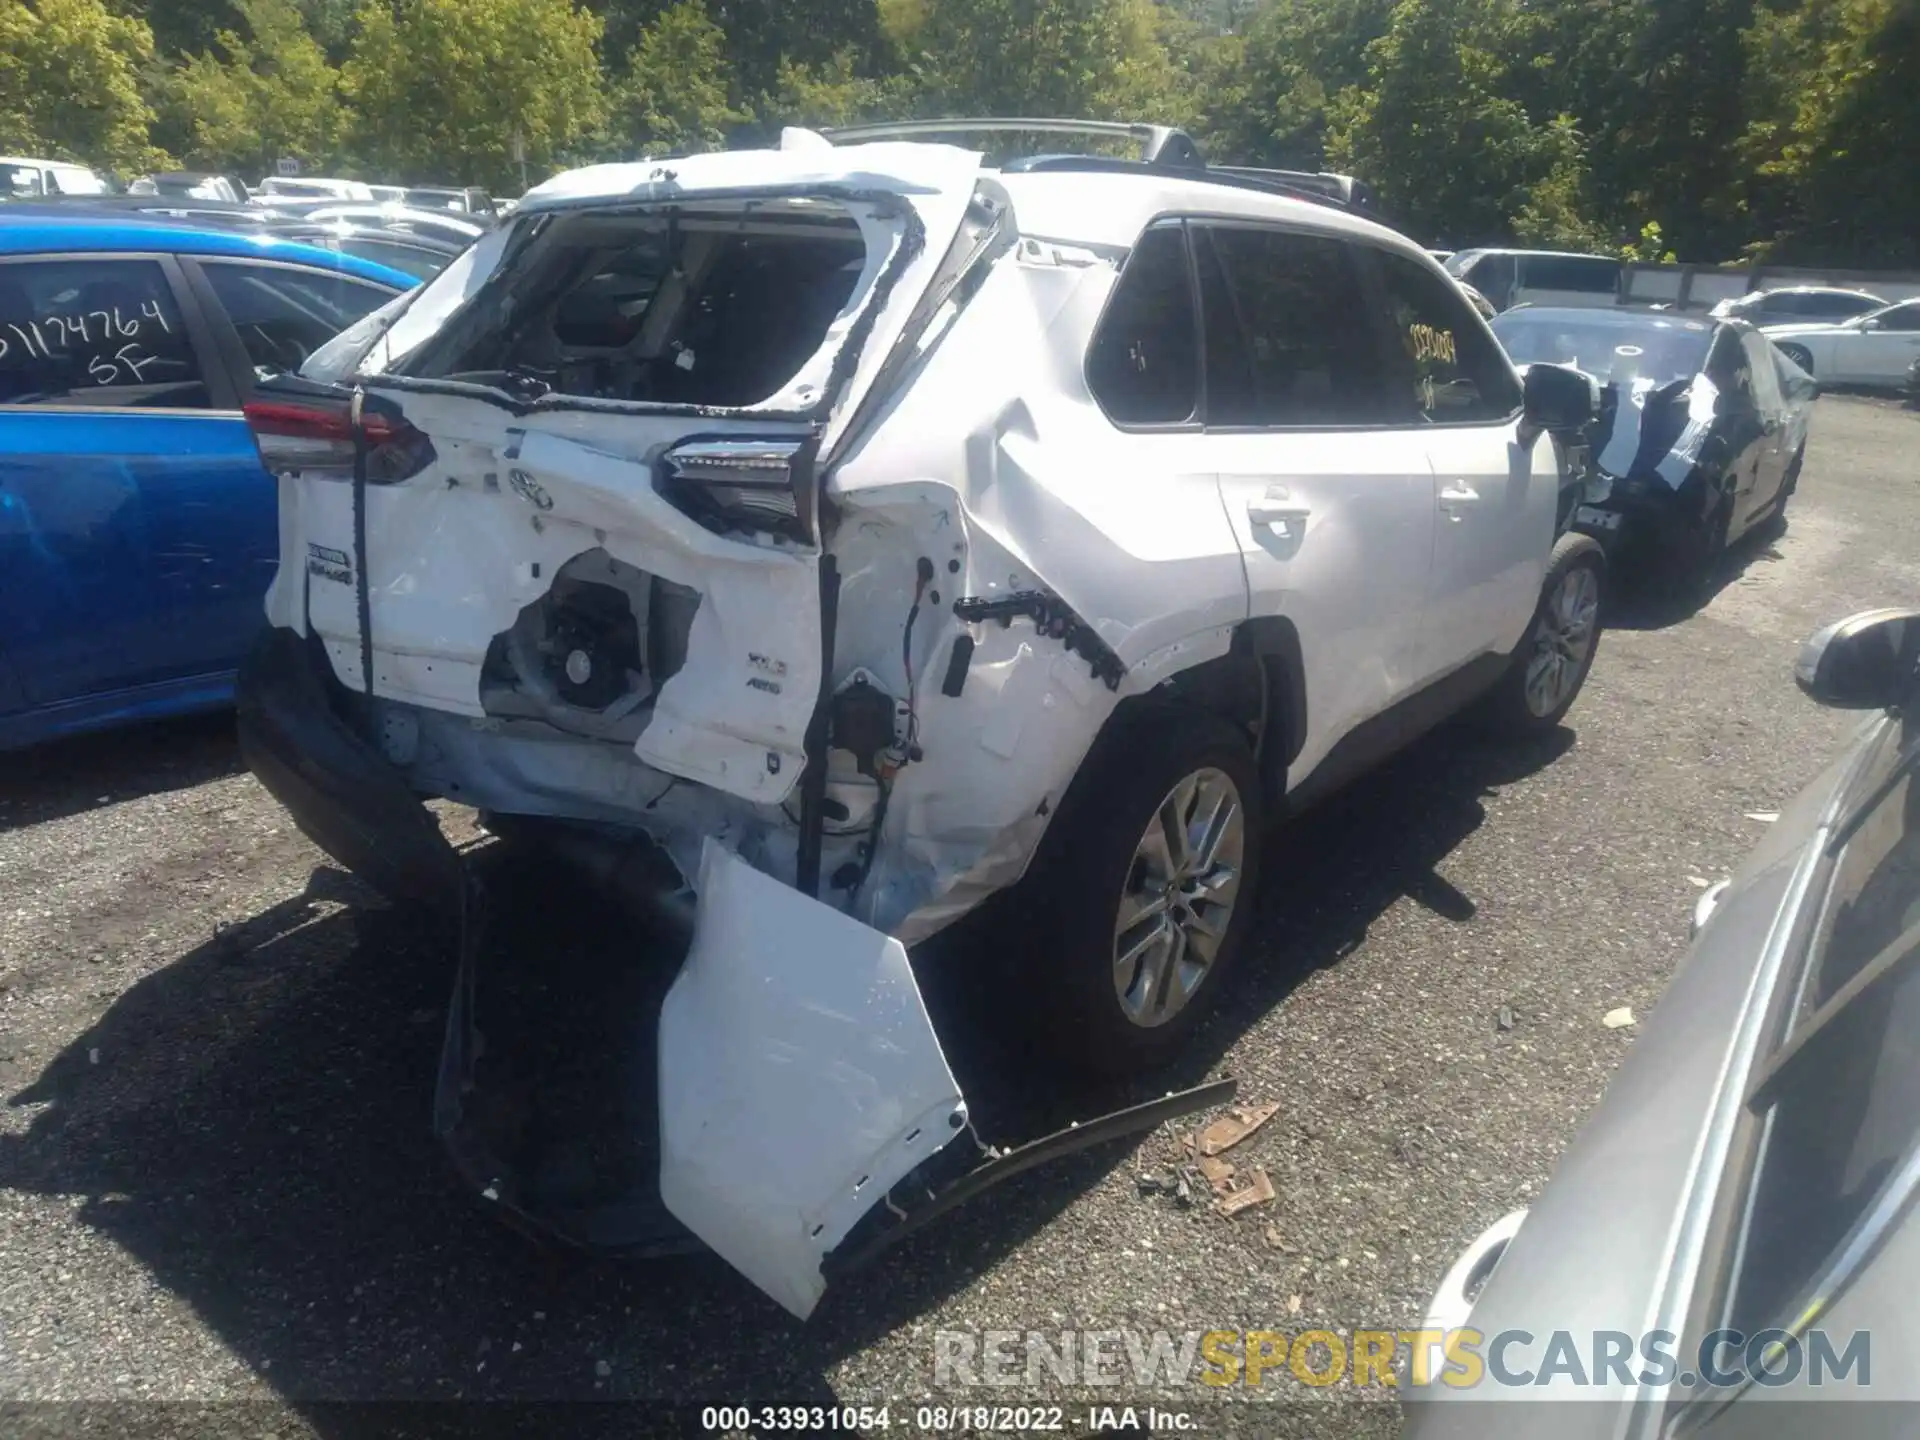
[800,1078]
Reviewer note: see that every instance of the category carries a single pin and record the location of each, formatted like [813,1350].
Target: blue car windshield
[1609,348]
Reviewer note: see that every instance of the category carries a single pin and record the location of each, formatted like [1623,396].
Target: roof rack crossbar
[1159,144]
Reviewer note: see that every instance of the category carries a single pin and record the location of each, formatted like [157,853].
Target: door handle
[1284,519]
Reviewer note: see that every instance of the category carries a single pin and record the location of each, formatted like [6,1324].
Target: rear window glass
[689,308]
[1612,350]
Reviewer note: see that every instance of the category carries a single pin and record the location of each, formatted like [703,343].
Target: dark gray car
[1732,1228]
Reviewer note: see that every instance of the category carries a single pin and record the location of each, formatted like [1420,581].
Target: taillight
[762,486]
[313,439]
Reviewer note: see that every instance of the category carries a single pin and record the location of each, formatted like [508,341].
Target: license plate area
[1593,517]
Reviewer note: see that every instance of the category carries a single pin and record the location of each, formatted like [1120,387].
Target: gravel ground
[217,1182]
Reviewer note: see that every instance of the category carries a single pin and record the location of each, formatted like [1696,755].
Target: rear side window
[1577,273]
[1300,318]
[1144,364]
[1760,367]
[1454,368]
[1844,307]
[1728,365]
[285,313]
[1901,317]
[94,332]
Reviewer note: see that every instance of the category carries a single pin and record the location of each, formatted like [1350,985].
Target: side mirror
[1557,397]
[1871,324]
[1869,661]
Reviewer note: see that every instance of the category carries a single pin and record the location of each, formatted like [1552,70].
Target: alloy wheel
[1179,897]
[1563,640]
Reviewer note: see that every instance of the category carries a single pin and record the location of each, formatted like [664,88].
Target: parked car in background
[1701,430]
[1538,277]
[191,185]
[857,581]
[389,194]
[466,200]
[159,208]
[1751,1169]
[305,187]
[138,531]
[1798,305]
[1876,349]
[421,256]
[27,178]
[455,228]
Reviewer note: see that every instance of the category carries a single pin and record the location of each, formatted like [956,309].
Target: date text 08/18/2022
[946,1419]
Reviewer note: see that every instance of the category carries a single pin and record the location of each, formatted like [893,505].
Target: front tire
[1552,661]
[1146,889]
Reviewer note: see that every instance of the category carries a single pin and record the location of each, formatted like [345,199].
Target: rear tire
[1551,663]
[1135,939]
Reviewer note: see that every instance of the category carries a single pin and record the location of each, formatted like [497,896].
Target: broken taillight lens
[761,486]
[306,429]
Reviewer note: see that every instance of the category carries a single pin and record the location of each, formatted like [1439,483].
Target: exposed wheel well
[1258,686]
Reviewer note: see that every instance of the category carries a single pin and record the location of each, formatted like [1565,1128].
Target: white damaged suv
[866,531]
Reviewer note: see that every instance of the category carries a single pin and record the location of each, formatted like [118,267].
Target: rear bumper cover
[342,793]
[807,1117]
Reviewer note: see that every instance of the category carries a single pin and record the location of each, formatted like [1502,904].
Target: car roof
[303,229]
[1811,290]
[1523,250]
[1106,207]
[41,233]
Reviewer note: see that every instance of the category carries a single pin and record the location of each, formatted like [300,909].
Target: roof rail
[1159,144]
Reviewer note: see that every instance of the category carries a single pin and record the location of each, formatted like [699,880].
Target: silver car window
[1837,1102]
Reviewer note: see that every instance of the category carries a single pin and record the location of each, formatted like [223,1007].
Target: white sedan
[1878,348]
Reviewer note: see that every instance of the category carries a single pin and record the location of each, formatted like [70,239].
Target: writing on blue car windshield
[1610,348]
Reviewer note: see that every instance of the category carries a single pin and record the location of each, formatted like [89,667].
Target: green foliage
[834,92]
[270,93]
[450,89]
[1098,59]
[1449,153]
[1650,248]
[1697,128]
[1830,148]
[69,84]
[674,96]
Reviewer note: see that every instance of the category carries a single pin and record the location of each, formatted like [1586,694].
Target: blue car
[138,529]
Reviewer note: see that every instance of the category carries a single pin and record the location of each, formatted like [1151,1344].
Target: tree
[272,95]
[69,84]
[676,94]
[1080,58]
[452,90]
[834,92]
[1832,151]
[1450,155]
[1263,95]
